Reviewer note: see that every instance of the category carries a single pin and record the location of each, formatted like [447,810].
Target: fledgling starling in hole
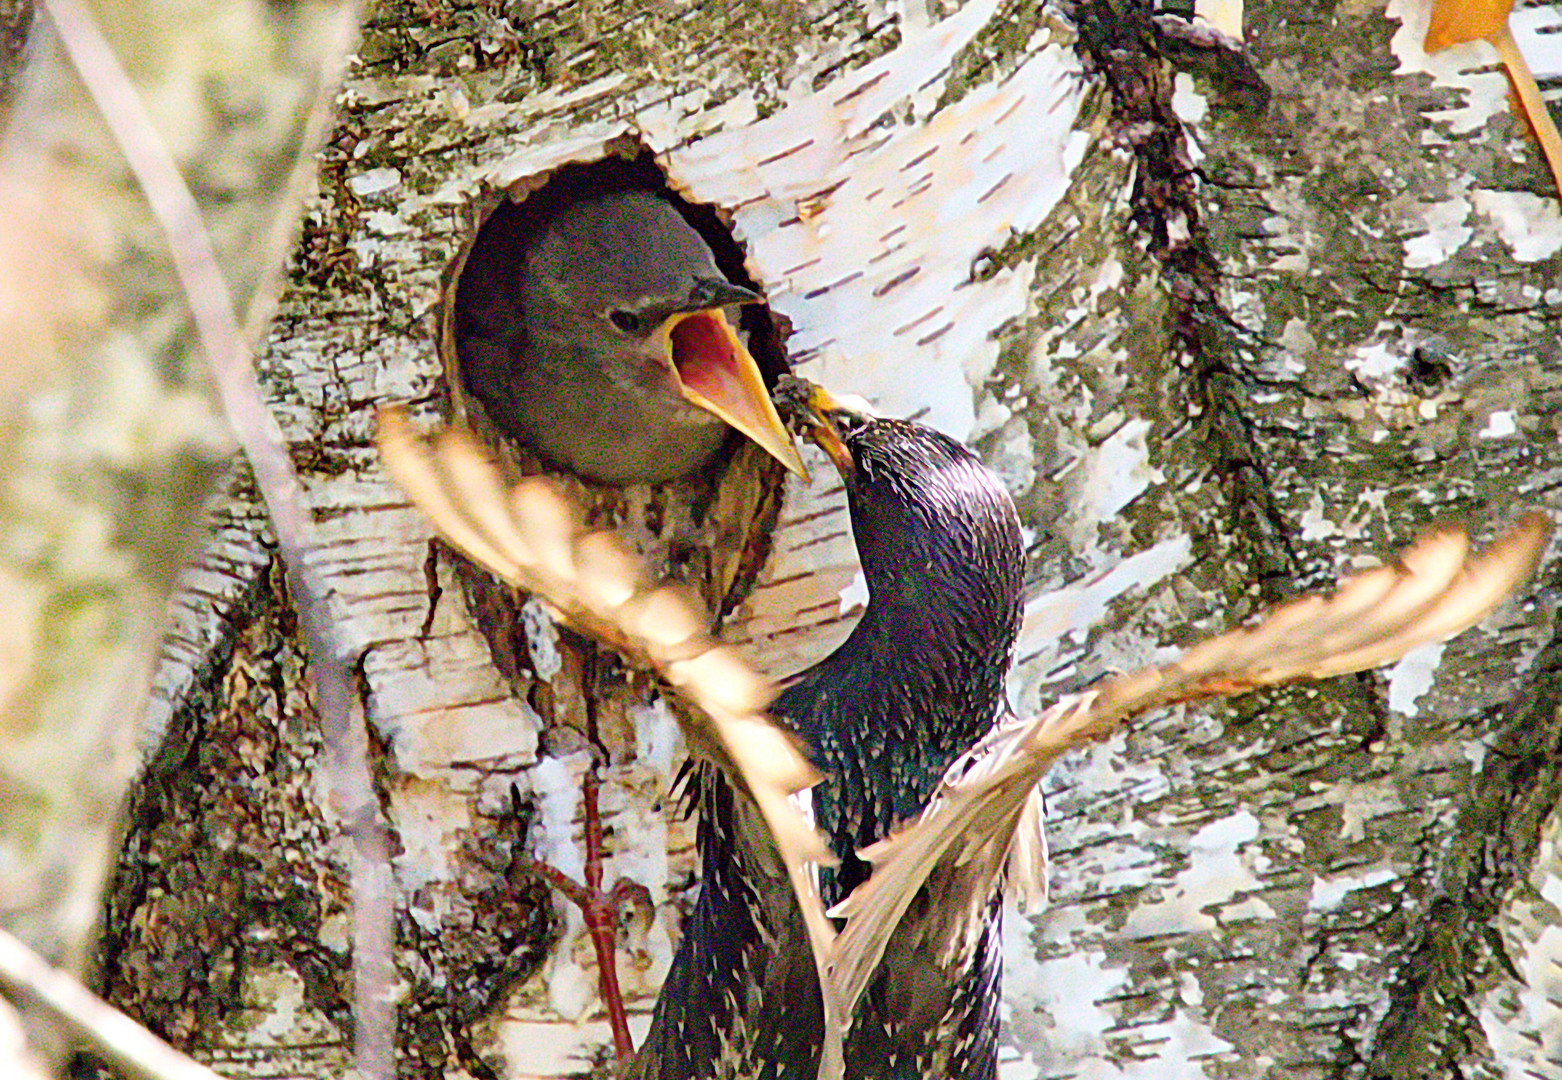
[918,681]
[601,340]
[596,334]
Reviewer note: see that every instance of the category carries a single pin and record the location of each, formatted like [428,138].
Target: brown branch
[602,922]
[1533,105]
[602,914]
[601,911]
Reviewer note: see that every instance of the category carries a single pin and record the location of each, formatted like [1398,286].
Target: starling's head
[623,282]
[936,531]
[828,420]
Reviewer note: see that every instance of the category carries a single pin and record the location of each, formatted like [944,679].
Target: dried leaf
[530,535]
[1455,22]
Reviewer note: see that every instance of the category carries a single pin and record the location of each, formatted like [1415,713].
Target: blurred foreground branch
[109,1032]
[228,352]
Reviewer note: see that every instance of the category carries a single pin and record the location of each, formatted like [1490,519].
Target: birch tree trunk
[1226,327]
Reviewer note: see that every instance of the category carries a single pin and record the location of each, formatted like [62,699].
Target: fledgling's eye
[627,321]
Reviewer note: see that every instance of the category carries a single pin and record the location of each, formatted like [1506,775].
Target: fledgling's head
[624,283]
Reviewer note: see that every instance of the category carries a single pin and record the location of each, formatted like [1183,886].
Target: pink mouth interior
[705,357]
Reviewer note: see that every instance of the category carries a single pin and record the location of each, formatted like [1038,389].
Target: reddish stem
[601,914]
[601,909]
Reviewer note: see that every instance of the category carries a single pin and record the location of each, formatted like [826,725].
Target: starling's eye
[850,424]
[627,321]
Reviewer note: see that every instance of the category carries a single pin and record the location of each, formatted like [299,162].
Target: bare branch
[111,1033]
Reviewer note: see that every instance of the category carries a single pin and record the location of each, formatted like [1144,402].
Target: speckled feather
[918,681]
[922,675]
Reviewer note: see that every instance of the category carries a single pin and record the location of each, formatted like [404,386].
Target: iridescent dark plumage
[919,679]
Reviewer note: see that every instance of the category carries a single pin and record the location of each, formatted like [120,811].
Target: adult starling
[599,339]
[920,678]
[918,951]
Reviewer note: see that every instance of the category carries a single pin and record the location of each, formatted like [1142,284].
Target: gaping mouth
[717,374]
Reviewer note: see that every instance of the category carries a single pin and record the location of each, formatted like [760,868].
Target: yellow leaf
[1455,22]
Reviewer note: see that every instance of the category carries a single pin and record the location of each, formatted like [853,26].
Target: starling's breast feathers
[939,542]
[921,676]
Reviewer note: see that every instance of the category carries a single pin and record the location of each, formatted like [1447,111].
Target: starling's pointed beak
[717,374]
[818,411]
[718,293]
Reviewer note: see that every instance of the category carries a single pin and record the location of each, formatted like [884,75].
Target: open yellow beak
[717,374]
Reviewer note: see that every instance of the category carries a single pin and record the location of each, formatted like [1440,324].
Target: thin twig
[602,917]
[1528,93]
[113,1035]
[601,911]
[227,352]
[602,921]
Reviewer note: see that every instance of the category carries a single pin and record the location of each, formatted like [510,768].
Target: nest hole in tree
[508,219]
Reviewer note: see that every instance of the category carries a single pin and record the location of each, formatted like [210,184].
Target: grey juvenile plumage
[599,339]
[919,679]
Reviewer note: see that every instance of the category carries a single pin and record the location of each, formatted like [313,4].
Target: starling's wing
[959,848]
[529,534]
